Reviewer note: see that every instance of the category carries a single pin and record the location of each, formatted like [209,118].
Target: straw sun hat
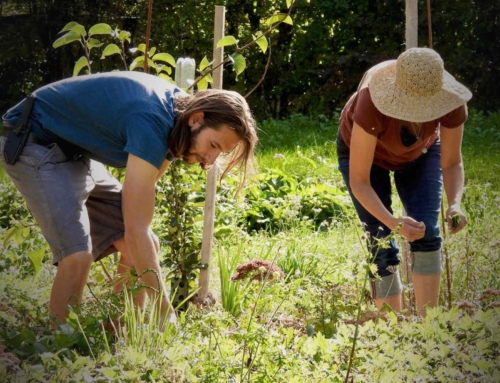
[416,87]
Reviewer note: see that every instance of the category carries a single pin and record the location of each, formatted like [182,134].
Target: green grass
[306,143]
[298,329]
[481,149]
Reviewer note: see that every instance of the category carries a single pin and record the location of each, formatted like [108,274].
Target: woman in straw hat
[407,116]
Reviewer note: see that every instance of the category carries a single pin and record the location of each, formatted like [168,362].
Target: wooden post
[208,223]
[411,42]
[429,23]
[411,24]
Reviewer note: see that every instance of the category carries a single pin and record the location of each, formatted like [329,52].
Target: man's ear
[196,118]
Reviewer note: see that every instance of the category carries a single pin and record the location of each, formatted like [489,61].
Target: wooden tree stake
[208,223]
[411,24]
[411,42]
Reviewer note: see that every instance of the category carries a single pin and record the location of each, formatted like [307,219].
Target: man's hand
[138,204]
[169,319]
[456,219]
[411,229]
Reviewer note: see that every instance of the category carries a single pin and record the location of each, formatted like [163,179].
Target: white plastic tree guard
[184,72]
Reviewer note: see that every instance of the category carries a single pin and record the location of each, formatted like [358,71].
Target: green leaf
[142,48]
[66,39]
[261,42]
[137,63]
[99,278]
[203,64]
[124,35]
[69,26]
[313,164]
[36,258]
[110,49]
[94,43]
[164,68]
[108,372]
[100,29]
[226,41]
[166,77]
[164,57]
[281,17]
[152,52]
[80,30]
[239,63]
[152,64]
[393,318]
[12,233]
[202,84]
[26,231]
[80,64]
[289,3]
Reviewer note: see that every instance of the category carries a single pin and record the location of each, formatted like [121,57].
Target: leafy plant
[280,198]
[12,208]
[77,32]
[299,261]
[232,292]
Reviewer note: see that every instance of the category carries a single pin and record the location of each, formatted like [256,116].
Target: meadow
[311,320]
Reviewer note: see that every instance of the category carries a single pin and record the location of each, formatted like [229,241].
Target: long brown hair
[219,107]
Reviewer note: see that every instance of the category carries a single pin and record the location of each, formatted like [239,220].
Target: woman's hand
[411,229]
[453,176]
[456,219]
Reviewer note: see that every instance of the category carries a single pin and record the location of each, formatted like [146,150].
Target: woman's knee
[427,243]
[386,260]
[427,262]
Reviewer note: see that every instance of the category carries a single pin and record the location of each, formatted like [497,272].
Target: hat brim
[390,100]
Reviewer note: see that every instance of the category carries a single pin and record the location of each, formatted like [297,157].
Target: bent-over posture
[407,117]
[119,119]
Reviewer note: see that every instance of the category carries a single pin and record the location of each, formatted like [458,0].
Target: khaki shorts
[76,203]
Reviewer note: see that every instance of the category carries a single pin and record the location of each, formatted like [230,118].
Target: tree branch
[238,50]
[148,35]
[263,74]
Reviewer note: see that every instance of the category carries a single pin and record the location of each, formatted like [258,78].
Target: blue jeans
[419,186]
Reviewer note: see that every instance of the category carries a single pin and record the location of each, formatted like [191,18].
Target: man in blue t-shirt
[120,119]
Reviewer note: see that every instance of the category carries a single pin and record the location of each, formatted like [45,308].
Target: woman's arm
[362,150]
[453,175]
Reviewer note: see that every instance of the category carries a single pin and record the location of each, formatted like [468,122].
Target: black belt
[32,139]
[71,151]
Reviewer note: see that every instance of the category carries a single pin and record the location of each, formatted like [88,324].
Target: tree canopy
[316,63]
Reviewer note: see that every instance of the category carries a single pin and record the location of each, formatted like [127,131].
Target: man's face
[209,143]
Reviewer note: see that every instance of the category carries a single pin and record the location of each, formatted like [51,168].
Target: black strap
[170,157]
[23,123]
[19,135]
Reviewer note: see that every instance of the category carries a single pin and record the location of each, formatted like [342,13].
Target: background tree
[315,66]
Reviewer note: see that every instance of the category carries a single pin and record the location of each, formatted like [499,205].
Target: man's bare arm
[138,208]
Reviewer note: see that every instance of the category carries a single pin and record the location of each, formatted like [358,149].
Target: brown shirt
[390,152]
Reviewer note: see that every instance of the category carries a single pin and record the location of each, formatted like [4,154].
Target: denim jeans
[419,186]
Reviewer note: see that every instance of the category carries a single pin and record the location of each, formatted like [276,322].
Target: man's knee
[427,262]
[76,264]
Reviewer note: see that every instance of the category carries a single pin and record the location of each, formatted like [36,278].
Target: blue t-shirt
[107,115]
